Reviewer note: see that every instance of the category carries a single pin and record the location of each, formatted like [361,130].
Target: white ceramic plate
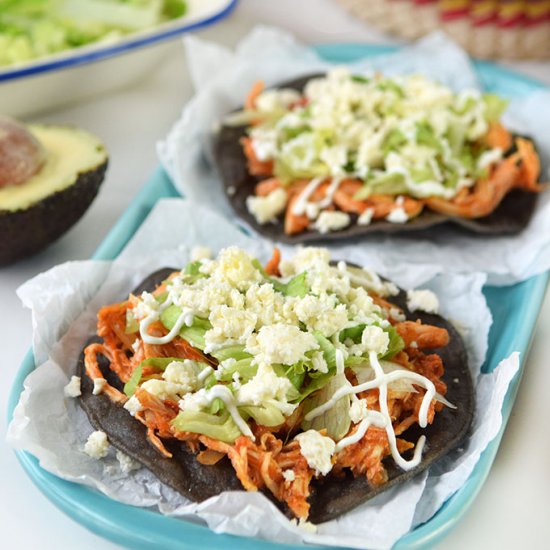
[76,74]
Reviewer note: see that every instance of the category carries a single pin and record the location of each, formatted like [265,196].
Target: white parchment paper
[64,303]
[223,77]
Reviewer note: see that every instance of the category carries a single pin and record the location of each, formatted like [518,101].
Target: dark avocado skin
[332,496]
[27,231]
[510,217]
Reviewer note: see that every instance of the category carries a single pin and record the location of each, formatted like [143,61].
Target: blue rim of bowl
[73,58]
[65,494]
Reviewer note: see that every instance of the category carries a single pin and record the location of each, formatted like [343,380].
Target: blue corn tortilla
[509,218]
[330,496]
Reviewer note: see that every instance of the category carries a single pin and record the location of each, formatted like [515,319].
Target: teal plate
[515,311]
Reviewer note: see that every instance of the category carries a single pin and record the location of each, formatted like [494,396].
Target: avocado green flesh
[37,212]
[70,152]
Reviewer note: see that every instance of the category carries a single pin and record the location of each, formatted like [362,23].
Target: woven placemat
[506,29]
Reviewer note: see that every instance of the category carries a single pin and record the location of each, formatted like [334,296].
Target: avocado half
[38,211]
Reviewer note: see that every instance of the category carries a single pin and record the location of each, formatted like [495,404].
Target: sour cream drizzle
[300,206]
[340,365]
[374,419]
[224,393]
[185,318]
[332,188]
[382,419]
[205,373]
[368,279]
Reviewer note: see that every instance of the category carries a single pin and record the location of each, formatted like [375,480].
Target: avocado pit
[21,154]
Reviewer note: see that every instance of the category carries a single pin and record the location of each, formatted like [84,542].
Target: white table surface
[512,509]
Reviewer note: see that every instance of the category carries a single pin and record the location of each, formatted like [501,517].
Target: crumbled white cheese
[268,305]
[366,217]
[335,158]
[233,266]
[489,157]
[127,464]
[321,276]
[321,313]
[97,445]
[72,389]
[332,221]
[163,390]
[397,315]
[99,385]
[312,210]
[146,306]
[264,143]
[375,339]
[361,304]
[266,209]
[133,405]
[304,525]
[369,279]
[205,294]
[318,362]
[229,324]
[280,343]
[223,366]
[194,401]
[289,475]
[317,449]
[264,386]
[422,300]
[236,380]
[273,100]
[358,410]
[305,259]
[200,253]
[183,373]
[397,215]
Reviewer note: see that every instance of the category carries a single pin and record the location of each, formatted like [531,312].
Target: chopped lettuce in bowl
[33,29]
[72,50]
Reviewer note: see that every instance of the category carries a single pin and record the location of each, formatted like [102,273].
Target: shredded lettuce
[336,420]
[387,183]
[35,28]
[317,381]
[327,348]
[231,352]
[244,367]
[133,382]
[265,415]
[132,325]
[158,362]
[352,333]
[193,334]
[395,345]
[295,373]
[494,107]
[393,141]
[220,427]
[297,286]
[192,272]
